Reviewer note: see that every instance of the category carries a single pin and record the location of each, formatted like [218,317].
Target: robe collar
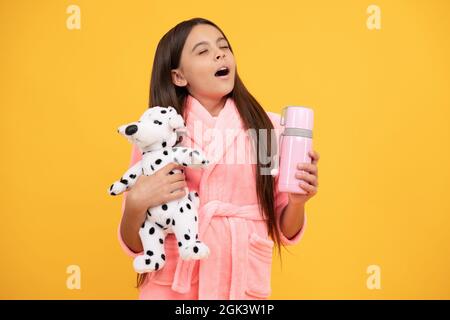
[213,135]
[228,117]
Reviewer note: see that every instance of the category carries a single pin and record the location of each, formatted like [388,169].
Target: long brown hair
[164,93]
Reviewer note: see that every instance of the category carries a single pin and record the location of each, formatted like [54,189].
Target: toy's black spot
[188,206]
[111,187]
[163,256]
[190,154]
[152,230]
[164,207]
[163,111]
[195,218]
[184,150]
[186,236]
[196,152]
[132,176]
[161,241]
[124,181]
[168,221]
[147,261]
[165,152]
[143,225]
[151,166]
[179,244]
[156,266]
[159,225]
[184,164]
[175,159]
[148,212]
[195,249]
[196,194]
[164,144]
[181,209]
[203,161]
[149,252]
[196,236]
[158,161]
[173,222]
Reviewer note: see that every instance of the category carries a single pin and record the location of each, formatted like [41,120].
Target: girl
[195,72]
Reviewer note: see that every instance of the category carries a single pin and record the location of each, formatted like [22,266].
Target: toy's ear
[176,121]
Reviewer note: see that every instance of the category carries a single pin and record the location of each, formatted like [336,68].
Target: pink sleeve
[282,198]
[135,157]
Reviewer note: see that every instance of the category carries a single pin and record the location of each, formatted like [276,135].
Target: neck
[213,106]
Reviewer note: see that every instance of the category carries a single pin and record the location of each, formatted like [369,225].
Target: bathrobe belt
[239,246]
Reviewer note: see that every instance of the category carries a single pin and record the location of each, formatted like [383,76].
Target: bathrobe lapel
[224,131]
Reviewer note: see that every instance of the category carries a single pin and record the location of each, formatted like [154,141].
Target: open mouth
[224,71]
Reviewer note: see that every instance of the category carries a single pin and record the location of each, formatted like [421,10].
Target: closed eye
[226,47]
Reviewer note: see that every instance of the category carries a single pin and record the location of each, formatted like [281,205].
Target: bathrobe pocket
[259,266]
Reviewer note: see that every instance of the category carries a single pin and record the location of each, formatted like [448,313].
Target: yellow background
[381,100]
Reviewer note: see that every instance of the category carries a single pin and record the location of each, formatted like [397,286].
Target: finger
[176,195]
[311,179]
[169,167]
[314,156]
[309,167]
[176,177]
[177,185]
[307,187]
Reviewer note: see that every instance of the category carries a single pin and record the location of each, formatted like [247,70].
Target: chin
[229,89]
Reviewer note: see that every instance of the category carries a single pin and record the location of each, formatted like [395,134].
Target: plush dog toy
[156,136]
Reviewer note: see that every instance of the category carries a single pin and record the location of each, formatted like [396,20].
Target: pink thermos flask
[294,145]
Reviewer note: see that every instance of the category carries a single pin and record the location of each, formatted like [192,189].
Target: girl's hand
[159,188]
[308,179]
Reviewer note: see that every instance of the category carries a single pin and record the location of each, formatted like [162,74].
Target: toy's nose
[131,129]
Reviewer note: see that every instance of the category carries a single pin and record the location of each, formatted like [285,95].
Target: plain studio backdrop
[378,79]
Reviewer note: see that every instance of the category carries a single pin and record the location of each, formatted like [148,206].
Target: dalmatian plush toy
[156,136]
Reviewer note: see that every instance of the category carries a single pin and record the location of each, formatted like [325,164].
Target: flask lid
[297,117]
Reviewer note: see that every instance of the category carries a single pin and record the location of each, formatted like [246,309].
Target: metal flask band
[299,132]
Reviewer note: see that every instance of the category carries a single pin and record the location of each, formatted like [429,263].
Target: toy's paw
[117,188]
[145,263]
[193,196]
[195,251]
[198,159]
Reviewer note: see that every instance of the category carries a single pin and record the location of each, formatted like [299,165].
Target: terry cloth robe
[240,262]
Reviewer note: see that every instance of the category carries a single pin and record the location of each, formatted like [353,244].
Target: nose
[222,54]
[131,129]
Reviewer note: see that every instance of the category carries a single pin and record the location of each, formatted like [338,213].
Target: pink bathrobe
[240,262]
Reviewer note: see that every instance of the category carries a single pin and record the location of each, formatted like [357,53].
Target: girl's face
[204,53]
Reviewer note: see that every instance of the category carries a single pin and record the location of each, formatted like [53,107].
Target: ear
[176,122]
[178,78]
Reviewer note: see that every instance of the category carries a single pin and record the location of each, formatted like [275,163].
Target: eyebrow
[205,42]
